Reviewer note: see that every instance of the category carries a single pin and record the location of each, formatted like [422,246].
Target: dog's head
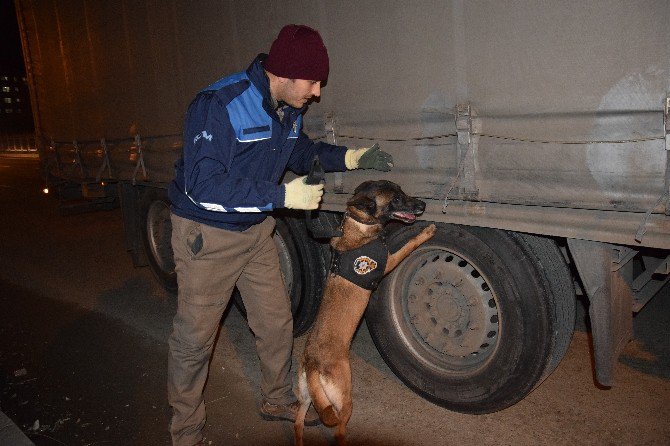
[378,202]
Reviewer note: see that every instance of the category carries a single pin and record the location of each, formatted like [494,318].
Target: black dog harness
[363,266]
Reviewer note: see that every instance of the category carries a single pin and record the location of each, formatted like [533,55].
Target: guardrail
[18,143]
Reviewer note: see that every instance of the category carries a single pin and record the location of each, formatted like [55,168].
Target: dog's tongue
[406,216]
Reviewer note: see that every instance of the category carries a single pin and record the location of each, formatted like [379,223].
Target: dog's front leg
[398,256]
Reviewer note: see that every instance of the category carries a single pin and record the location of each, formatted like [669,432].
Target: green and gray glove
[368,158]
[299,195]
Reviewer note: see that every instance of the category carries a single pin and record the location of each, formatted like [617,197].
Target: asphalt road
[83,356]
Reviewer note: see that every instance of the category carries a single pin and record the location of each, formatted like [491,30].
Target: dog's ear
[363,204]
[362,186]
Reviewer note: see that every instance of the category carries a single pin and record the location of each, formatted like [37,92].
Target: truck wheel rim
[159,229]
[450,311]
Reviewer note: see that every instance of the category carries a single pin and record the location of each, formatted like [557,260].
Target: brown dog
[360,260]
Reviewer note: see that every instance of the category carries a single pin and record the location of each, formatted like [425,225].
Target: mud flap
[606,271]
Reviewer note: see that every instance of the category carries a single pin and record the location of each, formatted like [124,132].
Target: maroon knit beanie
[298,53]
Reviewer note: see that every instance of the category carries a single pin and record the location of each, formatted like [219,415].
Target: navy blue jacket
[236,150]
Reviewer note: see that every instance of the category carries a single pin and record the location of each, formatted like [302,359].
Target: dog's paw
[429,231]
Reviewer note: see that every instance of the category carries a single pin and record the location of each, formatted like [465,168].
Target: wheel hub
[451,307]
[446,304]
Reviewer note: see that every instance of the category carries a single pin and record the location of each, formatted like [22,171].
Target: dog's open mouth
[405,216]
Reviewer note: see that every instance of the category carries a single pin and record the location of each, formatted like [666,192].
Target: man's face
[297,92]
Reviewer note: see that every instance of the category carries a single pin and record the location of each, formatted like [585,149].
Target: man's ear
[364,204]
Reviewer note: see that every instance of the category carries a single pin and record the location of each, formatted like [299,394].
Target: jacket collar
[260,80]
[258,77]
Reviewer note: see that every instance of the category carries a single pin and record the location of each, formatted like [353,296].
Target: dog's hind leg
[299,425]
[345,414]
[305,401]
[322,403]
[338,391]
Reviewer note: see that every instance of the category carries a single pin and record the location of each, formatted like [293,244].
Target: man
[241,134]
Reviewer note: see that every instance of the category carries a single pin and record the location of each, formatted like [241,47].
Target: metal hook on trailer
[77,158]
[140,160]
[105,162]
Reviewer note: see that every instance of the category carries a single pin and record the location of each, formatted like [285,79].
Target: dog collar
[348,214]
[363,266]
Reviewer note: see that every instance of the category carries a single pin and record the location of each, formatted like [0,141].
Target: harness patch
[364,265]
[359,266]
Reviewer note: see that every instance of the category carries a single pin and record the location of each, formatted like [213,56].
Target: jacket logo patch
[202,134]
[364,265]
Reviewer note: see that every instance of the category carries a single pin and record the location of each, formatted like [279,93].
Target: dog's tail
[327,412]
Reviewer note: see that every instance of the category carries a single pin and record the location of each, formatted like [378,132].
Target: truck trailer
[536,132]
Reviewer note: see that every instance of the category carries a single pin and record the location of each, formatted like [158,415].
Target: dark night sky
[11,58]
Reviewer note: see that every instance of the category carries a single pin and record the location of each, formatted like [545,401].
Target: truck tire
[156,233]
[303,267]
[301,259]
[549,257]
[475,318]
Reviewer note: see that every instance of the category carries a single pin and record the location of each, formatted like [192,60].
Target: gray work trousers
[209,263]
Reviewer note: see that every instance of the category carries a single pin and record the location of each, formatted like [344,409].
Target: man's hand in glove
[299,195]
[368,158]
